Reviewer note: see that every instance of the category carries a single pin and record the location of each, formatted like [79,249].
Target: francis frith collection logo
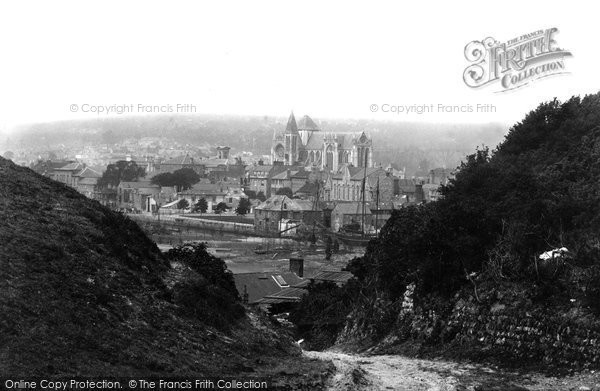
[515,63]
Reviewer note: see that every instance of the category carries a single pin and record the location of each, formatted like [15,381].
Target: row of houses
[72,173]
[346,184]
[337,196]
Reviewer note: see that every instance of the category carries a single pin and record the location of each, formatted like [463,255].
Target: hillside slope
[82,292]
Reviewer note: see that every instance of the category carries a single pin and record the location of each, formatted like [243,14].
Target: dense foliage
[209,293]
[120,171]
[243,206]
[321,314]
[539,190]
[200,206]
[182,179]
[220,208]
[84,292]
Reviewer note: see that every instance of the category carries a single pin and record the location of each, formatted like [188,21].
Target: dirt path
[357,373]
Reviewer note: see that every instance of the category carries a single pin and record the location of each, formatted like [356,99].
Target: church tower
[292,144]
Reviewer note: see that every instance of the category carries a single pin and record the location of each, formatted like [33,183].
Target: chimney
[297,266]
[419,195]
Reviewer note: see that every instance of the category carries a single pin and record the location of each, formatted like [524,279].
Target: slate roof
[89,173]
[283,175]
[205,188]
[275,203]
[314,142]
[337,276]
[261,284]
[300,175]
[306,123]
[286,295]
[70,167]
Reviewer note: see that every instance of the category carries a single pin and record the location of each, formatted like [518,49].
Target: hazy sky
[325,59]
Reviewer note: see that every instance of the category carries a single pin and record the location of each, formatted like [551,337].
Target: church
[303,143]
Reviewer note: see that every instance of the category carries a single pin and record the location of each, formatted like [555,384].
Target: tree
[286,191]
[261,196]
[120,171]
[185,178]
[200,206]
[182,204]
[164,179]
[209,293]
[181,179]
[221,207]
[243,206]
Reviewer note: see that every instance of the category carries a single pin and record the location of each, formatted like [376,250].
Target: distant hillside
[416,146]
[84,292]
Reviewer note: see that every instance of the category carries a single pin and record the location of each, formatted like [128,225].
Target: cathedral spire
[291,127]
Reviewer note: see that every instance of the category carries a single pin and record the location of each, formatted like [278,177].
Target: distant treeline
[416,146]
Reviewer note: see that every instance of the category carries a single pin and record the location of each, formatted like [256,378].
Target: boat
[356,236]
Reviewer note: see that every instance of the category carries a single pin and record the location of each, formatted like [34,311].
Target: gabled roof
[181,160]
[259,168]
[306,123]
[300,175]
[88,172]
[261,284]
[75,166]
[282,202]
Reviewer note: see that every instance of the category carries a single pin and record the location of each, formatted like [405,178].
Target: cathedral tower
[292,143]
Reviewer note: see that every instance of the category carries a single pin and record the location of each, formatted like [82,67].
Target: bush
[212,304]
[321,313]
[210,293]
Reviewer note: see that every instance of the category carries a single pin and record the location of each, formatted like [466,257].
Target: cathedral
[303,143]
